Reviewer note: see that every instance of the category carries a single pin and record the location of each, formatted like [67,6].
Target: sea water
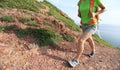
[110,33]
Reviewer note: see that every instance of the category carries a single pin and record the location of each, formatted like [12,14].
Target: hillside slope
[38,36]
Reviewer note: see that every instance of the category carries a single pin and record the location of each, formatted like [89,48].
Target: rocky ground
[25,54]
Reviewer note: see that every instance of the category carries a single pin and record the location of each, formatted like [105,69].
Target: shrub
[48,23]
[44,36]
[31,23]
[1,28]
[68,37]
[7,18]
[24,19]
[9,27]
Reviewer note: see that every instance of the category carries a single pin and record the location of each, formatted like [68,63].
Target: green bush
[48,23]
[1,28]
[68,37]
[7,18]
[31,23]
[22,32]
[24,19]
[9,27]
[44,36]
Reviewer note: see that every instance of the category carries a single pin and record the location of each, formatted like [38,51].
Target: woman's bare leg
[91,43]
[81,42]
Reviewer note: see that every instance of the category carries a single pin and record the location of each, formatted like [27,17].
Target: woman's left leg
[91,43]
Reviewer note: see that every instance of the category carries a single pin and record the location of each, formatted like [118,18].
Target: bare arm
[102,9]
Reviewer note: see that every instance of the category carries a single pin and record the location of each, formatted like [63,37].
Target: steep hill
[38,36]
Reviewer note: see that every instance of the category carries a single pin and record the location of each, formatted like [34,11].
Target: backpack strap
[91,5]
[91,9]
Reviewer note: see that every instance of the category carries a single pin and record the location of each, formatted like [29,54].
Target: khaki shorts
[90,29]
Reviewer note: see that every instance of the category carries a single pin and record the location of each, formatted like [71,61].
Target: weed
[49,23]
[44,36]
[1,28]
[24,19]
[7,18]
[68,37]
[31,23]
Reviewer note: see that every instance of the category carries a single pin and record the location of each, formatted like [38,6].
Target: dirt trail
[15,56]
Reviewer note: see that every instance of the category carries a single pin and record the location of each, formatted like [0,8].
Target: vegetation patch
[44,36]
[24,19]
[9,27]
[68,37]
[31,23]
[48,23]
[1,28]
[7,18]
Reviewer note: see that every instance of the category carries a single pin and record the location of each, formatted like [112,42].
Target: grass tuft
[31,23]
[44,36]
[24,19]
[7,18]
[68,37]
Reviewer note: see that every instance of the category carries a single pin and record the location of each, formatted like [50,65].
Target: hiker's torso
[84,8]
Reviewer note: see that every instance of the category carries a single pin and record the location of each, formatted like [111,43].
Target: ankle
[93,51]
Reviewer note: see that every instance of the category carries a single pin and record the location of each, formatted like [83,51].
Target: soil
[21,54]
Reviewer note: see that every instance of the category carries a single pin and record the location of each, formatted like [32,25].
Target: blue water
[110,33]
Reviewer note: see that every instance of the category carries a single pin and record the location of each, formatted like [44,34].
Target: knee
[80,40]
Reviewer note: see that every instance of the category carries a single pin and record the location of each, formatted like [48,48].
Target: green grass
[31,5]
[57,13]
[7,28]
[68,37]
[48,23]
[24,19]
[44,36]
[101,41]
[31,23]
[7,18]
[1,28]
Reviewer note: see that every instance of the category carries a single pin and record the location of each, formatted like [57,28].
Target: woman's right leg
[81,42]
[80,48]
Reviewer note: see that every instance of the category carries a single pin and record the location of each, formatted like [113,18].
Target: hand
[92,14]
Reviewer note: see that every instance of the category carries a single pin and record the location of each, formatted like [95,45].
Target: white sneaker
[73,63]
